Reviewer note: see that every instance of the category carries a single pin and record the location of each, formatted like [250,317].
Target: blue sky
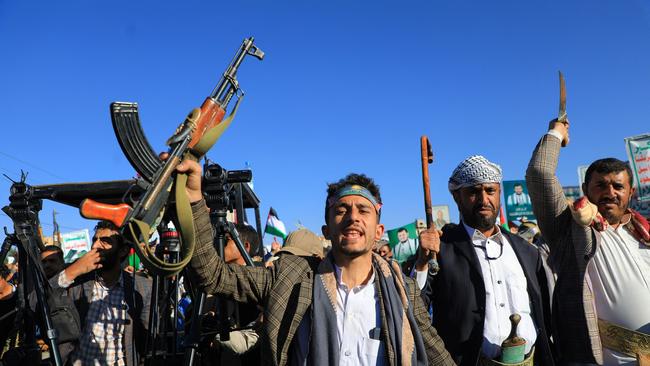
[345,87]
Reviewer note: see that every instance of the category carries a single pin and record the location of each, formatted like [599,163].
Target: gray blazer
[575,322]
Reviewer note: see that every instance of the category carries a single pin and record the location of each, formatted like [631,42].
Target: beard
[474,218]
[614,216]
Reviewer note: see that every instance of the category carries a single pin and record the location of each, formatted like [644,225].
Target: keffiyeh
[474,170]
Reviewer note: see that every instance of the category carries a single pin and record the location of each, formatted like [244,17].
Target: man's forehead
[353,200]
[105,232]
[483,186]
[621,176]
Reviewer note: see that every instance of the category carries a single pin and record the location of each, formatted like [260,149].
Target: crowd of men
[577,283]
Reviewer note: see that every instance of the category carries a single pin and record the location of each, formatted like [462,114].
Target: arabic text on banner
[638,151]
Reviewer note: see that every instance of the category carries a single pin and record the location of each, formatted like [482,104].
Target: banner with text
[638,151]
[75,244]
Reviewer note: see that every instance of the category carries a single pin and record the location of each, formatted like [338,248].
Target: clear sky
[346,86]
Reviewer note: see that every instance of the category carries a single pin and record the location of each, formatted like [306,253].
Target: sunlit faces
[479,204]
[611,192]
[353,225]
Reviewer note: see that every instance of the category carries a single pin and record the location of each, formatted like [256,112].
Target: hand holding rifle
[191,140]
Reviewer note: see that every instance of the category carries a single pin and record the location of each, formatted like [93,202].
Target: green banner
[404,241]
[517,201]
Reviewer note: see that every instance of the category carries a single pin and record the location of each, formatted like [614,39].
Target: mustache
[609,200]
[481,206]
[354,227]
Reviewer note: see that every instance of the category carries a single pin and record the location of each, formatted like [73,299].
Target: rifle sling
[140,231]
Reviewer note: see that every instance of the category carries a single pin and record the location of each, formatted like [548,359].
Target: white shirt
[506,292]
[620,275]
[357,316]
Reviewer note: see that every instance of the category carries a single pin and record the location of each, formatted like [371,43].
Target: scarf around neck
[399,334]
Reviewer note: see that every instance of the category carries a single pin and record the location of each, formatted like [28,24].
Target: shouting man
[352,307]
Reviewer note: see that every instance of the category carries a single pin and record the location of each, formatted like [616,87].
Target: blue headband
[354,190]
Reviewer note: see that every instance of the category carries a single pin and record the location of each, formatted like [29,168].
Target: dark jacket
[457,294]
[137,319]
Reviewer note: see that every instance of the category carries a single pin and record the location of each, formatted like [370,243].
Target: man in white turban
[486,275]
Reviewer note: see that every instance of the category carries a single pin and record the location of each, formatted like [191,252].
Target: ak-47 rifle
[193,138]
[427,158]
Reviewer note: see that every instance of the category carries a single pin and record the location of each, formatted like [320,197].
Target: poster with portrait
[517,201]
[440,215]
[638,151]
[403,241]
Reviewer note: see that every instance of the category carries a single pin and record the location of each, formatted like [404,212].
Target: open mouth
[352,234]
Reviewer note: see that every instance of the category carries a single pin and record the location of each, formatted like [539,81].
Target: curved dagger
[562,116]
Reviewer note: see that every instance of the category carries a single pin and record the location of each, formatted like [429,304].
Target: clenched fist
[429,244]
[562,127]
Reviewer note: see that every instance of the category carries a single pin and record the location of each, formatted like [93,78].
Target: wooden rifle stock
[116,214]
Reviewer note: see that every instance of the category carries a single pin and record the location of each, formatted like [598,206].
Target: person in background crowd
[7,309]
[113,305]
[602,252]
[309,300]
[240,348]
[486,275]
[52,260]
[303,243]
[385,250]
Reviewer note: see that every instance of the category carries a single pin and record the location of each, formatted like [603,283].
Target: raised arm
[214,276]
[548,199]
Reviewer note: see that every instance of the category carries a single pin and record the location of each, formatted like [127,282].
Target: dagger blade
[562,116]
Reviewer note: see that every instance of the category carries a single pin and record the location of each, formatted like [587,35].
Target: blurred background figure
[52,260]
[384,249]
[303,243]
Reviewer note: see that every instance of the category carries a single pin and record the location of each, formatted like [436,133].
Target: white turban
[474,170]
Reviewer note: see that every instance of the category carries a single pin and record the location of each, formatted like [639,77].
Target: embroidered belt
[528,361]
[627,341]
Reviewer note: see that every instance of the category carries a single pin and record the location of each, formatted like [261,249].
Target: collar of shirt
[477,235]
[341,284]
[493,246]
[100,282]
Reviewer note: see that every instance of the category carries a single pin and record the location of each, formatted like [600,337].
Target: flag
[274,226]
[502,220]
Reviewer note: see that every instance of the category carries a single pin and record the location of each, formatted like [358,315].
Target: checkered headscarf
[474,170]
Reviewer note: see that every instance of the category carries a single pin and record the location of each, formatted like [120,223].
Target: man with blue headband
[486,275]
[351,308]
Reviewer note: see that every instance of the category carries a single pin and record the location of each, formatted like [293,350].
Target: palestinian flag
[274,226]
